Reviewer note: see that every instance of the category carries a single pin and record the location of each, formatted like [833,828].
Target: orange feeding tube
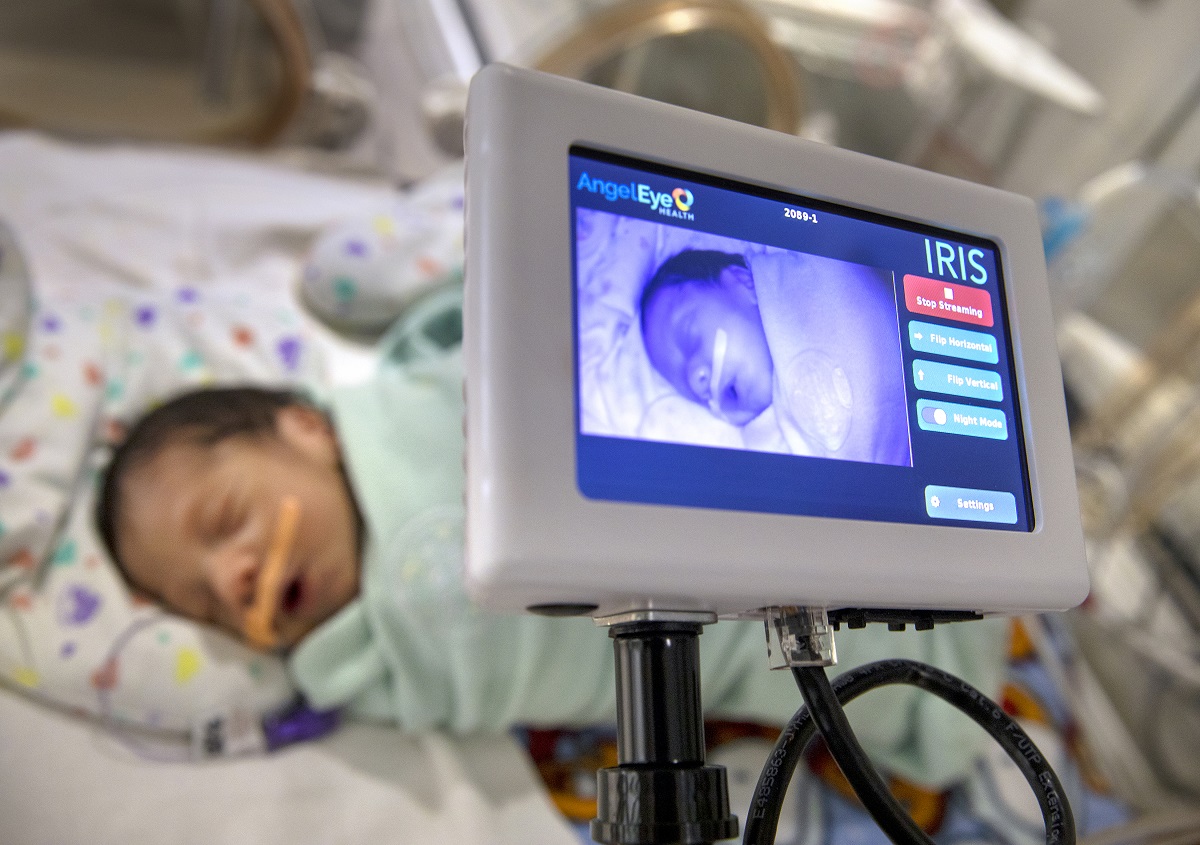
[258,623]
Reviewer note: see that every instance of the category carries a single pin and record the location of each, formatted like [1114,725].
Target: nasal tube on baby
[720,347]
[260,618]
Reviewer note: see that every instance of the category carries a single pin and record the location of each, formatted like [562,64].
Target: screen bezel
[533,538]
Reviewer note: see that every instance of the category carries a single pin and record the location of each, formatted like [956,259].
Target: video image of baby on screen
[694,338]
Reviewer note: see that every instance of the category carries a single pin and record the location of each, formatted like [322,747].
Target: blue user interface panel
[739,348]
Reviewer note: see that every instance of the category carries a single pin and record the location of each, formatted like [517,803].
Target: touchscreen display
[743,349]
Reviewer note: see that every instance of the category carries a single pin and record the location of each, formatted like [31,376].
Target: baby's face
[197,524]
[682,324]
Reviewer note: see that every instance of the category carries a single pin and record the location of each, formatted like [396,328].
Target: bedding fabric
[65,780]
[130,274]
[70,631]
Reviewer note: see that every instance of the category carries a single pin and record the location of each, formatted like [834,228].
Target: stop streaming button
[947,300]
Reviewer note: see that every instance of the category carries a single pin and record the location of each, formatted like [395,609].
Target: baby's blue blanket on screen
[839,376]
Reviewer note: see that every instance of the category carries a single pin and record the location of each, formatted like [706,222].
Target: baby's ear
[740,277]
[307,429]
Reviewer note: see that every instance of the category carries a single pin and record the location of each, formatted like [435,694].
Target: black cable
[763,817]
[845,749]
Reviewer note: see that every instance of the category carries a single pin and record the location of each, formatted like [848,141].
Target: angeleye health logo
[683,199]
[677,203]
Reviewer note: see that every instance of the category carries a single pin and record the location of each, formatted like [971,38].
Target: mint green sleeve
[340,666]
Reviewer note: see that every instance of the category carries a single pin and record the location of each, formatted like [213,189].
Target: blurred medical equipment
[946,84]
[714,56]
[195,71]
[891,78]
[1124,276]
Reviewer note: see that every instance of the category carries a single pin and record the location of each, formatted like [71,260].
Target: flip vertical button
[936,377]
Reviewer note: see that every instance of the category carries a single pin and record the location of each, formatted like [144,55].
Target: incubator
[1122,272]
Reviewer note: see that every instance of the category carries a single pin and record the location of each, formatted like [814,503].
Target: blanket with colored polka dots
[127,275]
[71,631]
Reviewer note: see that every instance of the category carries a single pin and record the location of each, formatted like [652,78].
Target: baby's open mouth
[293,596]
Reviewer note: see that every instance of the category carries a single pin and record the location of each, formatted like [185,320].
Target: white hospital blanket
[64,780]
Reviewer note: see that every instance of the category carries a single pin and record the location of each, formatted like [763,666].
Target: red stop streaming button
[948,301]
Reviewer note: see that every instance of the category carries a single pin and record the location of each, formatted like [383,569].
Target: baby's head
[703,332]
[192,497]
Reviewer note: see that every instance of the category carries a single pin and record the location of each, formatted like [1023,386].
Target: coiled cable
[823,712]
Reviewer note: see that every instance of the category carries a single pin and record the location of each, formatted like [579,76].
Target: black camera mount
[661,791]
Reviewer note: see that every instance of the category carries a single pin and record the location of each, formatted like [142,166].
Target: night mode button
[963,503]
[968,420]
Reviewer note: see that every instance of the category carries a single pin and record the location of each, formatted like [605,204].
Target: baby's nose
[234,572]
[699,379]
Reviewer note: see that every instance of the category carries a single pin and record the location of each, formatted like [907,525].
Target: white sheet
[65,780]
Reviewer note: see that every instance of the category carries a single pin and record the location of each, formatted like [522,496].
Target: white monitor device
[716,367]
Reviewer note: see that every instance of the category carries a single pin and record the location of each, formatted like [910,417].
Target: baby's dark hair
[691,265]
[202,417]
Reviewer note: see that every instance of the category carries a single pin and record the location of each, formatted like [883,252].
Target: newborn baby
[813,338]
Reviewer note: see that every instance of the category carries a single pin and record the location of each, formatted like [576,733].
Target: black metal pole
[660,792]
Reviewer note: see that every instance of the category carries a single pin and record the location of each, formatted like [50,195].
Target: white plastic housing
[533,539]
